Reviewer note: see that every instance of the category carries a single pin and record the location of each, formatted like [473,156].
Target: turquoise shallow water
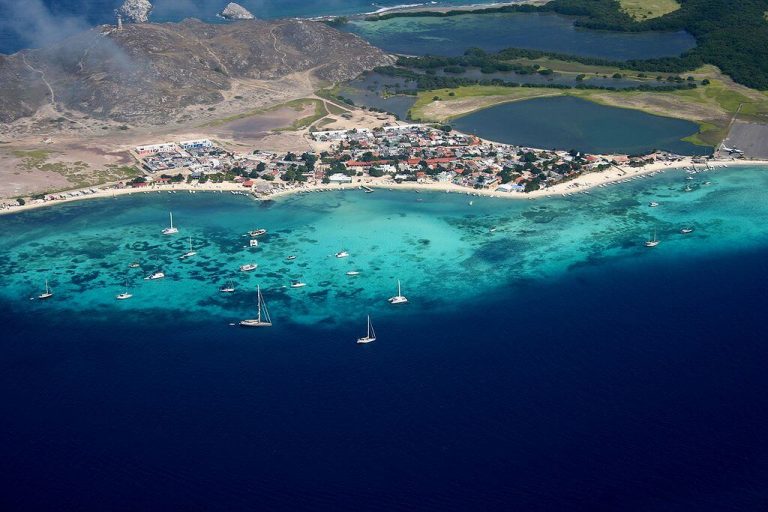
[555,364]
[439,246]
[493,32]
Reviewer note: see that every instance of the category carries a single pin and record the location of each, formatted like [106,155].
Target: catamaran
[125,295]
[370,336]
[228,288]
[399,298]
[262,317]
[47,294]
[653,242]
[170,230]
[189,253]
[248,267]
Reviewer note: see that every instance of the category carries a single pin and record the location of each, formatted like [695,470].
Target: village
[409,154]
[403,153]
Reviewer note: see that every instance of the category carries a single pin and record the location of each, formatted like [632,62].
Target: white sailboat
[262,317]
[47,294]
[189,253]
[170,230]
[125,295]
[370,336]
[399,298]
[228,288]
[654,241]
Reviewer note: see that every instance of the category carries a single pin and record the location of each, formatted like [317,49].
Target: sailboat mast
[369,326]
[258,299]
[171,214]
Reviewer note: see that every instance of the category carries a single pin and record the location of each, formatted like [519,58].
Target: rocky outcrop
[235,11]
[150,72]
[135,11]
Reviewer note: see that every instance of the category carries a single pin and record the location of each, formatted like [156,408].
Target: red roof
[248,183]
[358,163]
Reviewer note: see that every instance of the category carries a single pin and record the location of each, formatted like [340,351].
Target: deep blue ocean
[553,365]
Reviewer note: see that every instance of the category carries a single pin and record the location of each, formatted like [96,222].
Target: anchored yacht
[399,298]
[262,317]
[170,230]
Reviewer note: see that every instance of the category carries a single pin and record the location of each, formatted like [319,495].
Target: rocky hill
[146,72]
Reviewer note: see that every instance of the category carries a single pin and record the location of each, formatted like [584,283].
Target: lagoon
[566,122]
[555,363]
[493,32]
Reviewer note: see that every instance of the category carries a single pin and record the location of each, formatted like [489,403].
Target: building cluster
[414,152]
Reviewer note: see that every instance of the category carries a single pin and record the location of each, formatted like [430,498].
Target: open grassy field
[712,107]
[645,9]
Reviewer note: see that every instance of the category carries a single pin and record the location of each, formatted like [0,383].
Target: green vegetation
[78,173]
[646,9]
[298,105]
[305,122]
[732,34]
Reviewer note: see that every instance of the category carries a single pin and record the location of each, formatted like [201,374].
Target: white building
[340,178]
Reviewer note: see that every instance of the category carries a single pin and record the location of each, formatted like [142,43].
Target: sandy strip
[580,184]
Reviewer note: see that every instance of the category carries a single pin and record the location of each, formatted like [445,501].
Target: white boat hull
[362,341]
[255,323]
[398,300]
[170,231]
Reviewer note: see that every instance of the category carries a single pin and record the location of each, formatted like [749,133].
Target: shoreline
[582,183]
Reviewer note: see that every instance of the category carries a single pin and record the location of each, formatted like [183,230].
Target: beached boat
[248,267]
[262,317]
[370,335]
[228,288]
[257,232]
[189,253]
[170,230]
[653,242]
[156,275]
[47,294]
[399,298]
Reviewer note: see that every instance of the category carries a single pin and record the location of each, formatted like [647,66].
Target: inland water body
[492,32]
[552,364]
[572,123]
